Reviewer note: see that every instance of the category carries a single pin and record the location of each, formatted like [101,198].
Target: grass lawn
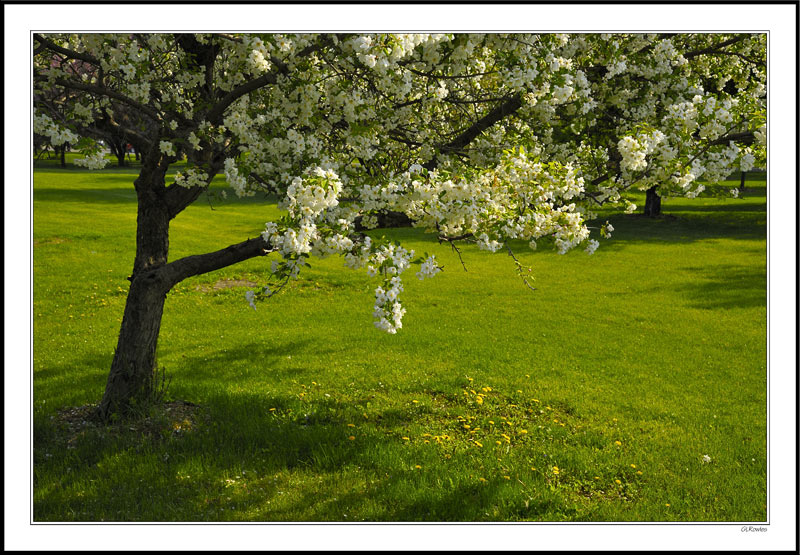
[593,398]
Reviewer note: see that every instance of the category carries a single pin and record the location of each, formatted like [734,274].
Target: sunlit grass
[593,398]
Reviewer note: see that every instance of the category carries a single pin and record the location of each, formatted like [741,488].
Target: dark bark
[130,380]
[133,368]
[652,203]
[119,151]
[63,154]
[387,219]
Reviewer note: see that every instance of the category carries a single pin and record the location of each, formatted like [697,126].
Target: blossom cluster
[344,128]
[95,161]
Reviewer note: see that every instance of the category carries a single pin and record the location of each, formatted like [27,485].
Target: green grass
[657,341]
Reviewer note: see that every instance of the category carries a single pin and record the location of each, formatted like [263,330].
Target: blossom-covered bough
[480,137]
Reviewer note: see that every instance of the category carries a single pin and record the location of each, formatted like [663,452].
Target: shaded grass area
[593,398]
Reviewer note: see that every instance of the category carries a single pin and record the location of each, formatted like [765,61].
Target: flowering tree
[481,137]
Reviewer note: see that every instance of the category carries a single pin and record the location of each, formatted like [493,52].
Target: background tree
[476,137]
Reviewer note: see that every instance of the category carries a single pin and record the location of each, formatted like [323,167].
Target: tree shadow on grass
[686,228]
[733,206]
[91,195]
[251,361]
[727,286]
[84,375]
[243,455]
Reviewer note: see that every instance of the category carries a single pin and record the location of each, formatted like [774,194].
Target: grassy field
[594,398]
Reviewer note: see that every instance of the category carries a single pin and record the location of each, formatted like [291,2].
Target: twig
[520,270]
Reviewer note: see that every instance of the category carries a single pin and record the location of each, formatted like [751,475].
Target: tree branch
[215,114]
[178,270]
[102,91]
[746,137]
[714,47]
[467,136]
[66,52]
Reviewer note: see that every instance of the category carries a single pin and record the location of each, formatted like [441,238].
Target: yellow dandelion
[478,443]
[597,477]
[482,479]
[617,482]
[272,410]
[523,431]
[351,425]
[405,438]
[491,422]
[351,438]
[533,468]
[467,426]
[507,477]
[479,400]
[667,504]
[556,470]
[617,442]
[536,400]
[498,442]
[426,441]
[415,401]
[417,466]
[639,472]
[633,466]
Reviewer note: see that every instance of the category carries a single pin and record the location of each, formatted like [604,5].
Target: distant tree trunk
[63,153]
[119,151]
[742,182]
[652,203]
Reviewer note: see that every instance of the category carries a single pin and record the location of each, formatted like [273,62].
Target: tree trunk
[119,152]
[131,378]
[63,153]
[652,203]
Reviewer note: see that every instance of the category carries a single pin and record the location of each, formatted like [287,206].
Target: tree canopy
[479,137]
[484,136]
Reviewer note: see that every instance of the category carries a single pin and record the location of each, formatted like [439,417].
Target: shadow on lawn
[93,195]
[245,362]
[245,453]
[88,374]
[687,227]
[727,286]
